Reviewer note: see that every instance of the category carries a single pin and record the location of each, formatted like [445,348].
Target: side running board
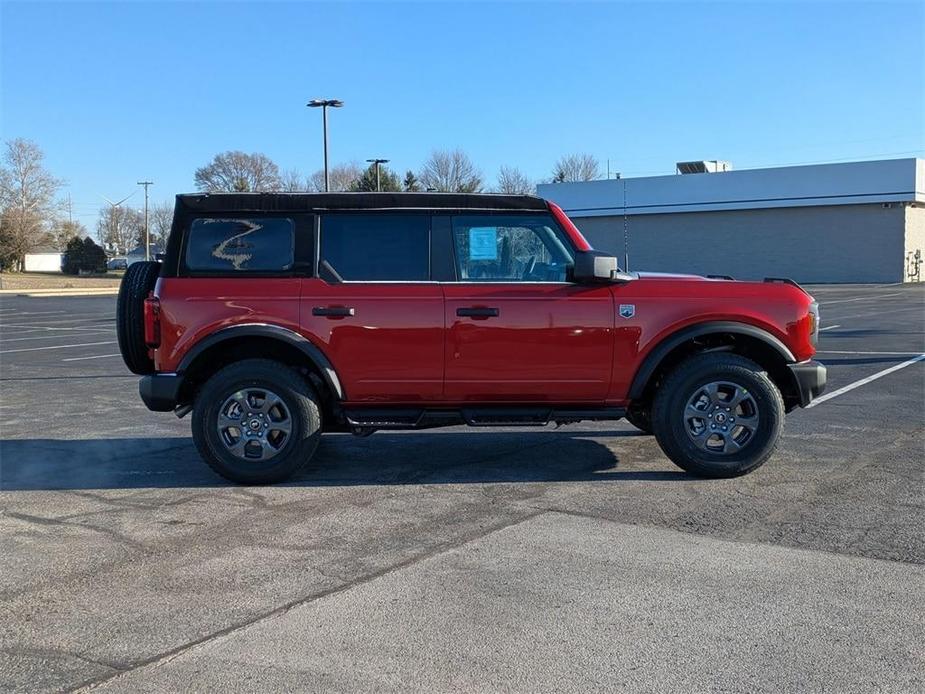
[405,418]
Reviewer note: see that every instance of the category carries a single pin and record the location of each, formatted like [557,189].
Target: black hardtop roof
[298,202]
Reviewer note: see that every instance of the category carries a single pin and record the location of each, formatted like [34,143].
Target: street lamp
[324,103]
[377,162]
[147,233]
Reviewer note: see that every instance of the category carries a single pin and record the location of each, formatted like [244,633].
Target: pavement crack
[166,657]
[58,654]
[39,520]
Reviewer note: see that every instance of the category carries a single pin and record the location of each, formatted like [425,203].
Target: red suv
[276,317]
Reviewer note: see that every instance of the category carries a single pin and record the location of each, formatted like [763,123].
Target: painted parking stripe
[852,351]
[96,356]
[45,336]
[860,298]
[36,349]
[49,327]
[828,327]
[863,381]
[60,322]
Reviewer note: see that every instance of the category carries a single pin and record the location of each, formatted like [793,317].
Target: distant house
[138,253]
[43,259]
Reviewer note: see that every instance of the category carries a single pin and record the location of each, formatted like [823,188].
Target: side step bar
[366,419]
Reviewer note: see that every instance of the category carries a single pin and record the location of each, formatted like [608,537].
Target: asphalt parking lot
[491,560]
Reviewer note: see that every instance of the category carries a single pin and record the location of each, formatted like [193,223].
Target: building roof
[298,202]
[891,180]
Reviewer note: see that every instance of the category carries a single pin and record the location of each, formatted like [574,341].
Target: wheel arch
[750,341]
[263,341]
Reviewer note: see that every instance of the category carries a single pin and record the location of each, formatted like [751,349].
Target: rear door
[373,308]
[517,329]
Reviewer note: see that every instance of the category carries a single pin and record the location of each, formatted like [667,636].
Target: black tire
[640,417]
[299,399]
[674,431]
[137,283]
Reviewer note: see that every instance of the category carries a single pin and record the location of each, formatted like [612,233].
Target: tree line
[445,171]
[33,215]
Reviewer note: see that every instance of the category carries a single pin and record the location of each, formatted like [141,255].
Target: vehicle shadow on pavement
[341,460]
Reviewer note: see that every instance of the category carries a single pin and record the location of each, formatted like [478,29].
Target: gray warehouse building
[854,222]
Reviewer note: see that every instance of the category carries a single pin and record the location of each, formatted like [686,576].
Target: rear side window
[375,247]
[241,245]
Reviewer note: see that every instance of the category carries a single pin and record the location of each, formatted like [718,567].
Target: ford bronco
[276,317]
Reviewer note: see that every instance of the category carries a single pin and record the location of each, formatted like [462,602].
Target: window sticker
[483,243]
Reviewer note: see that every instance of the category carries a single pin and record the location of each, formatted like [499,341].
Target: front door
[373,308]
[517,330]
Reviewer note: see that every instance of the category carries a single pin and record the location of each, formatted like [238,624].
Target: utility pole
[324,103]
[147,234]
[377,162]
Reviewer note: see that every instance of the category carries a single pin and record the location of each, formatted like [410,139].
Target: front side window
[500,248]
[375,247]
[240,245]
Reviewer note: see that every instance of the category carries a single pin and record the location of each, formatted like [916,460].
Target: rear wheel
[256,421]
[137,283]
[718,415]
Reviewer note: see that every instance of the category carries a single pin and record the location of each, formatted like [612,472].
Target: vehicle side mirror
[595,266]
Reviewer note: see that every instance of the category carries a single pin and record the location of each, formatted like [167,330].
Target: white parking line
[828,327]
[97,356]
[48,327]
[59,322]
[852,351]
[863,381]
[48,337]
[38,313]
[36,349]
[860,298]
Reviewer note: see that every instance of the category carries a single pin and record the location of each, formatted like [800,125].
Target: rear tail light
[152,316]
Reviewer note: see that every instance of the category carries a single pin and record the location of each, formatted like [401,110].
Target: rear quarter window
[240,245]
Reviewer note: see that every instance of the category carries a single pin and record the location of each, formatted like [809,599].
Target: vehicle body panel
[549,342]
[192,308]
[391,349]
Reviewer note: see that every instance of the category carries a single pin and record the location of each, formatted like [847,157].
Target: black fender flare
[276,332]
[664,348]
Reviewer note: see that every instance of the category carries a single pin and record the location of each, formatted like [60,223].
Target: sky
[116,93]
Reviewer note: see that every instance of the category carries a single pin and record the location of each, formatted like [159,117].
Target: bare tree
[576,167]
[120,229]
[63,230]
[342,176]
[27,207]
[512,181]
[294,182]
[451,172]
[160,219]
[238,172]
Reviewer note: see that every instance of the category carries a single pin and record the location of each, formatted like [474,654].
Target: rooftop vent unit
[710,166]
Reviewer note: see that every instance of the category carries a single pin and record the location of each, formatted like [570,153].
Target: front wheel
[256,421]
[718,415]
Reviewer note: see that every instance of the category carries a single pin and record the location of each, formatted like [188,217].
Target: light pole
[377,162]
[147,235]
[324,103]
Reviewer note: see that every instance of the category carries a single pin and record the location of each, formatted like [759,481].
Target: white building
[855,222]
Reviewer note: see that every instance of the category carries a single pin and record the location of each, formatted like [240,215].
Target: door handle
[334,311]
[478,312]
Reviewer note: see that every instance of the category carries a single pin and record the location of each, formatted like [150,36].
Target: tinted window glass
[499,248]
[370,247]
[252,244]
